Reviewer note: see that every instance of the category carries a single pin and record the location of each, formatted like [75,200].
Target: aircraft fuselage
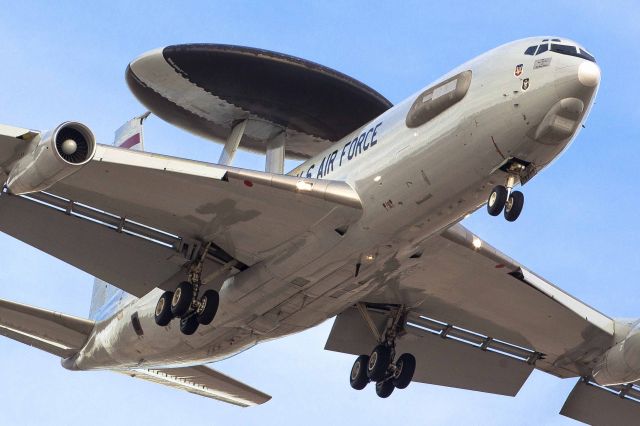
[413,182]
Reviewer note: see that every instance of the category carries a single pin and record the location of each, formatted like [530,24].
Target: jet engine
[621,363]
[50,158]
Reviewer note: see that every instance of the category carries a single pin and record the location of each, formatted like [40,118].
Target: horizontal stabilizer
[204,381]
[53,332]
[598,405]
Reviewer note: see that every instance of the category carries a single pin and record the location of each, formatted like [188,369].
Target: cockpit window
[530,50]
[588,56]
[564,49]
[542,48]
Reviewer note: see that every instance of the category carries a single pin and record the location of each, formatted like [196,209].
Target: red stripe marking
[133,140]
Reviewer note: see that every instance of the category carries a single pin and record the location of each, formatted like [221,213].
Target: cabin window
[438,98]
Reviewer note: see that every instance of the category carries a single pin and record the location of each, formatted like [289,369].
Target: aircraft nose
[576,78]
[589,74]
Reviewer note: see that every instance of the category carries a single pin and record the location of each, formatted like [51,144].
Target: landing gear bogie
[379,367]
[184,302]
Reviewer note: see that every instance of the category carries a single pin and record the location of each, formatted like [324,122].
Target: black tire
[405,367]
[358,377]
[514,206]
[189,325]
[497,200]
[211,300]
[163,309]
[378,364]
[384,389]
[181,301]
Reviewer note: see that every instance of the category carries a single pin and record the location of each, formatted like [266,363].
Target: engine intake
[52,157]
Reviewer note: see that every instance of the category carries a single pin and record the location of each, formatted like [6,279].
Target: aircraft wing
[204,381]
[478,319]
[134,219]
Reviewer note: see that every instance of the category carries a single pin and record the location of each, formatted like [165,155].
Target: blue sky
[66,60]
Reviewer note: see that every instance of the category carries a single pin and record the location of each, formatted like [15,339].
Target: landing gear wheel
[384,389]
[378,364]
[208,307]
[189,325]
[497,200]
[513,206]
[405,367]
[181,301]
[359,378]
[163,309]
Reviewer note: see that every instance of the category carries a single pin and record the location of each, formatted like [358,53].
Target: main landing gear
[379,366]
[184,303]
[502,198]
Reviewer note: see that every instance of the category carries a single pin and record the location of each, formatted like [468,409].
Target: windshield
[564,49]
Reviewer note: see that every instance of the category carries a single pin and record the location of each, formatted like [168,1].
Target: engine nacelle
[621,363]
[54,156]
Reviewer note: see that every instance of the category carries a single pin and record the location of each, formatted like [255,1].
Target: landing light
[304,186]
[477,242]
[377,178]
[369,257]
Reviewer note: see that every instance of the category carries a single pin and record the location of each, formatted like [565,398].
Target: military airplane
[195,261]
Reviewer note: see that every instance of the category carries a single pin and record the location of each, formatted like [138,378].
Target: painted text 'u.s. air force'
[337,158]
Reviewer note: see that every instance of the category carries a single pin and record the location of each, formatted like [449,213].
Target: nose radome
[589,74]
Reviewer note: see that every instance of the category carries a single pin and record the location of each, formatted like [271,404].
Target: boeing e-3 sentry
[195,261]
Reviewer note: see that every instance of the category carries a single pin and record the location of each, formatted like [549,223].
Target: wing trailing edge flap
[126,260]
[603,406]
[53,332]
[204,381]
[440,361]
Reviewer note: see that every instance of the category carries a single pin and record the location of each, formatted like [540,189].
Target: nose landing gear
[185,304]
[503,198]
[379,366]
